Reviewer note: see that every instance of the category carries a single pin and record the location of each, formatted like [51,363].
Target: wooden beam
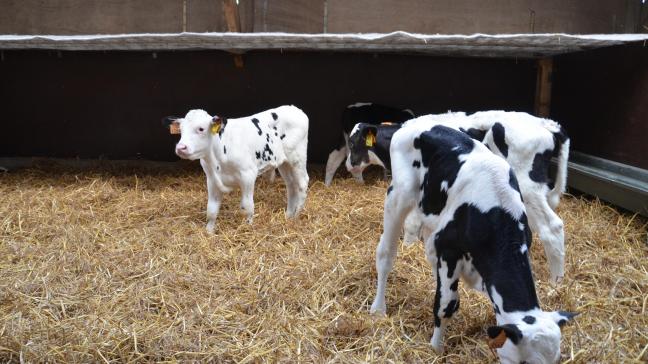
[543,87]
[233,20]
[230,9]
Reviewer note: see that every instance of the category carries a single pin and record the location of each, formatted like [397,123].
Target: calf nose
[181,148]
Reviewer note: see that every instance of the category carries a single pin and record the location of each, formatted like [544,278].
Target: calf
[361,112]
[233,152]
[472,209]
[527,143]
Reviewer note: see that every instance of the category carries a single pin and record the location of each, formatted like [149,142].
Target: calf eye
[201,129]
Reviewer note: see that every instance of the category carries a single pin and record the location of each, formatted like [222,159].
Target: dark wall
[601,97]
[96,104]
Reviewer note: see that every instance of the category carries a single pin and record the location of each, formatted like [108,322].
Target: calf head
[197,129]
[361,141]
[534,339]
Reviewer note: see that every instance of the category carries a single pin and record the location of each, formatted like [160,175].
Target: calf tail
[561,151]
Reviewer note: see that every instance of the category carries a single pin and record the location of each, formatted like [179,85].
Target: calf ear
[563,317]
[499,334]
[369,134]
[216,125]
[172,123]
[168,120]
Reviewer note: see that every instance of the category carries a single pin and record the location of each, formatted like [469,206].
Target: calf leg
[335,158]
[213,206]
[412,228]
[287,174]
[300,175]
[549,227]
[214,197]
[270,175]
[247,195]
[446,300]
[396,209]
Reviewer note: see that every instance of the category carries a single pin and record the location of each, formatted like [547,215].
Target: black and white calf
[472,209]
[233,152]
[367,113]
[527,143]
[369,144]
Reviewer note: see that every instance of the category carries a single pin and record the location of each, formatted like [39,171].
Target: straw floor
[114,265]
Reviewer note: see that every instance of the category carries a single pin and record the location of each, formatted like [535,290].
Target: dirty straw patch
[115,266]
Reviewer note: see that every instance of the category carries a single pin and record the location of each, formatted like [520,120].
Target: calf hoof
[250,219]
[556,280]
[438,347]
[410,239]
[211,227]
[378,309]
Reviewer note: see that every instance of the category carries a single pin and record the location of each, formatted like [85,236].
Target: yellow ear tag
[215,127]
[370,140]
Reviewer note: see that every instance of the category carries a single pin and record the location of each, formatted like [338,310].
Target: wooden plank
[475,16]
[292,16]
[90,16]
[230,9]
[543,87]
[205,16]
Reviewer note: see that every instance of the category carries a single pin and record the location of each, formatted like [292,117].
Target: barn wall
[317,16]
[109,16]
[473,16]
[601,97]
[109,105]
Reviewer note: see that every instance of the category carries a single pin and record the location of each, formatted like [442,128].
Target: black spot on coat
[274,115]
[540,170]
[474,133]
[499,137]
[416,164]
[389,189]
[492,239]
[451,308]
[440,148]
[255,121]
[529,320]
[513,182]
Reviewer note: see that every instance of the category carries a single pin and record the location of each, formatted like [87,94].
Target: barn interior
[103,98]
[89,80]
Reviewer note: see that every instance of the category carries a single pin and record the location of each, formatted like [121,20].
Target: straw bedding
[114,265]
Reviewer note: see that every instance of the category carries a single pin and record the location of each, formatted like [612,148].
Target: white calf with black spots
[472,209]
[527,143]
[233,152]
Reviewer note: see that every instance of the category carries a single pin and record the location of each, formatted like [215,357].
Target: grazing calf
[233,152]
[471,206]
[361,112]
[527,143]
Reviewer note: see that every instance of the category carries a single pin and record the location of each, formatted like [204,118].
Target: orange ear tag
[370,140]
[498,341]
[215,127]
[174,128]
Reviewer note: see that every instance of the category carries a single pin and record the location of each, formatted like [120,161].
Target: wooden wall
[318,16]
